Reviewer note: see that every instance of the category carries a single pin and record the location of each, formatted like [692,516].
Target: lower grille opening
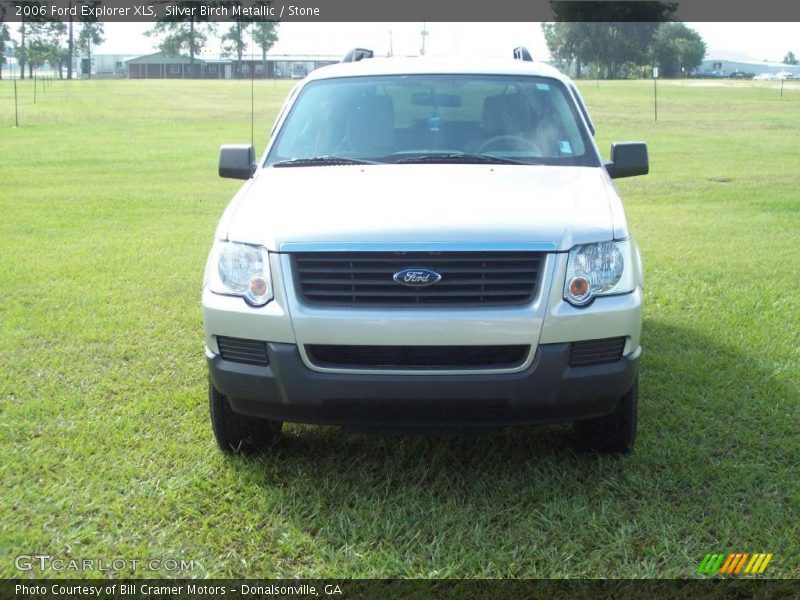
[596,352]
[416,357]
[251,352]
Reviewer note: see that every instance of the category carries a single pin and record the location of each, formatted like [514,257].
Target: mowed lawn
[108,202]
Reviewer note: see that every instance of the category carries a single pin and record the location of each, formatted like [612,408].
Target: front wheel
[614,433]
[239,434]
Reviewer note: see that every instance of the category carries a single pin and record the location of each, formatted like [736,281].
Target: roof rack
[521,53]
[357,54]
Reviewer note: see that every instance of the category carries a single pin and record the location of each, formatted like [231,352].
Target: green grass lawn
[108,202]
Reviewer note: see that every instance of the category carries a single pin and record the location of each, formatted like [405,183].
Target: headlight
[240,270]
[600,269]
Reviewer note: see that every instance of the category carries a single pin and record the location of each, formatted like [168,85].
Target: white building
[726,67]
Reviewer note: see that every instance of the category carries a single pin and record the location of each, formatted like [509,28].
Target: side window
[318,124]
[569,141]
[582,107]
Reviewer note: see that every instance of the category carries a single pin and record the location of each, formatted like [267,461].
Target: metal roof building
[161,66]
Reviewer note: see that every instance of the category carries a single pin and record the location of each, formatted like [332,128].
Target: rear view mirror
[431,99]
[237,161]
[628,159]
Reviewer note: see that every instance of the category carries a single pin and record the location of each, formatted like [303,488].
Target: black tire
[239,434]
[614,433]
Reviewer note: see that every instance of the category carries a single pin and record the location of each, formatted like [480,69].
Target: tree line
[43,41]
[53,42]
[615,39]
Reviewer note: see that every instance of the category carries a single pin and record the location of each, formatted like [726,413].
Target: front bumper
[549,390]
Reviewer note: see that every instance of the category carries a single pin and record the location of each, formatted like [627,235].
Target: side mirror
[628,159]
[237,161]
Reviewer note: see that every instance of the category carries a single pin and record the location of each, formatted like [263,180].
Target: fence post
[655,93]
[16,109]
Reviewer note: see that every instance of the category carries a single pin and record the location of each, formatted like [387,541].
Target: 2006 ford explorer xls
[426,243]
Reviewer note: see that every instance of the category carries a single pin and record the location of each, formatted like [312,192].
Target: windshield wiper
[326,160]
[461,157]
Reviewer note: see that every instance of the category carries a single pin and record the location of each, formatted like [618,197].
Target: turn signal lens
[579,287]
[258,290]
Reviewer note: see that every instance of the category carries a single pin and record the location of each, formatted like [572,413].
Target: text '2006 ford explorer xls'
[426,243]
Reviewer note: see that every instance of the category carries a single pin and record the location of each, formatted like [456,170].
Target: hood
[428,203]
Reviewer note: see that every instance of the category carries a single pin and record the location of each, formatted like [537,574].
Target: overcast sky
[742,41]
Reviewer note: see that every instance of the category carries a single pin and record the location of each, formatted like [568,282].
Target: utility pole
[22,45]
[424,34]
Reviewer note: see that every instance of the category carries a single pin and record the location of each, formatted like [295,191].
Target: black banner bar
[384,589]
[371,11]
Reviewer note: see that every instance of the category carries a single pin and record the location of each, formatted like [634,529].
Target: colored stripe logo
[734,563]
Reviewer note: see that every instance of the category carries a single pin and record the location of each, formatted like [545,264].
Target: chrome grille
[366,278]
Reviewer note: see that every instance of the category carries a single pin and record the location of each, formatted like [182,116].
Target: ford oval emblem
[417,277]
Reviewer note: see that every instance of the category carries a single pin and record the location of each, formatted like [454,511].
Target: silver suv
[426,244]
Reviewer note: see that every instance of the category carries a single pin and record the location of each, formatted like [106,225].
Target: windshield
[433,118]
